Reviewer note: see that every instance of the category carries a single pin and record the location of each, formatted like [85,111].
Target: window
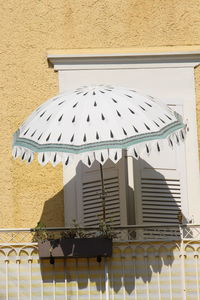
[154,188]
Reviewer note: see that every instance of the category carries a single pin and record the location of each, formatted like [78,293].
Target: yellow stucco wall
[28,30]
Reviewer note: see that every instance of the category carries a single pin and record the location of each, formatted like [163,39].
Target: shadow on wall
[132,268]
[141,262]
[53,211]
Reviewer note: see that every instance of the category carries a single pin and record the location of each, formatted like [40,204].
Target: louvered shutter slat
[97,210]
[162,199]
[153,202]
[162,195]
[93,188]
[161,210]
[97,196]
[92,203]
[90,206]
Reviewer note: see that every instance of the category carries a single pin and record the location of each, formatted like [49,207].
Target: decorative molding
[124,61]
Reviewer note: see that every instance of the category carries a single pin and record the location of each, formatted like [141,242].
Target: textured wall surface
[28,30]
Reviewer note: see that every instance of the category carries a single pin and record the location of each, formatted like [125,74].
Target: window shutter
[160,185]
[161,200]
[92,202]
[89,208]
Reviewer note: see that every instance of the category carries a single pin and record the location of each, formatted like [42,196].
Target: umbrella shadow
[144,261]
[135,261]
[53,211]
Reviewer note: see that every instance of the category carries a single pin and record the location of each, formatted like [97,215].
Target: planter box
[77,247]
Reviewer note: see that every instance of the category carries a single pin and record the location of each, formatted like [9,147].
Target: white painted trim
[124,61]
[184,62]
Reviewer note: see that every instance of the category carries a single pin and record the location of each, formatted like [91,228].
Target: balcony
[129,233]
[148,262]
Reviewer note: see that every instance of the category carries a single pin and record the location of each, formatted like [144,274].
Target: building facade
[153,46]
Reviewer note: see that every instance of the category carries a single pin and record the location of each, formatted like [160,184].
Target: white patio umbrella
[96,122]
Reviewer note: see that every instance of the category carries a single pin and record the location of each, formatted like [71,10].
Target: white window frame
[184,62]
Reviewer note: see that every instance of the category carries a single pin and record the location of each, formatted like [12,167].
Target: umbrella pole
[103,195]
[104,219]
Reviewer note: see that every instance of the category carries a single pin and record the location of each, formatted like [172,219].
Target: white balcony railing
[155,232]
[157,261]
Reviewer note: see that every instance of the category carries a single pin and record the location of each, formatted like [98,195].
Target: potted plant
[74,242]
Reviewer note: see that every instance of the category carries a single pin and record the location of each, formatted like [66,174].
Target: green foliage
[40,232]
[105,230]
[74,232]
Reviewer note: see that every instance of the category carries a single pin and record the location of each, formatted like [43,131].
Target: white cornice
[124,61]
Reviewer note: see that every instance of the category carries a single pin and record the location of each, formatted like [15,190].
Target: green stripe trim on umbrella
[76,149]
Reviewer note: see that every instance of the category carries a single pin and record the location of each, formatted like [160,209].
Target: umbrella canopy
[96,122]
